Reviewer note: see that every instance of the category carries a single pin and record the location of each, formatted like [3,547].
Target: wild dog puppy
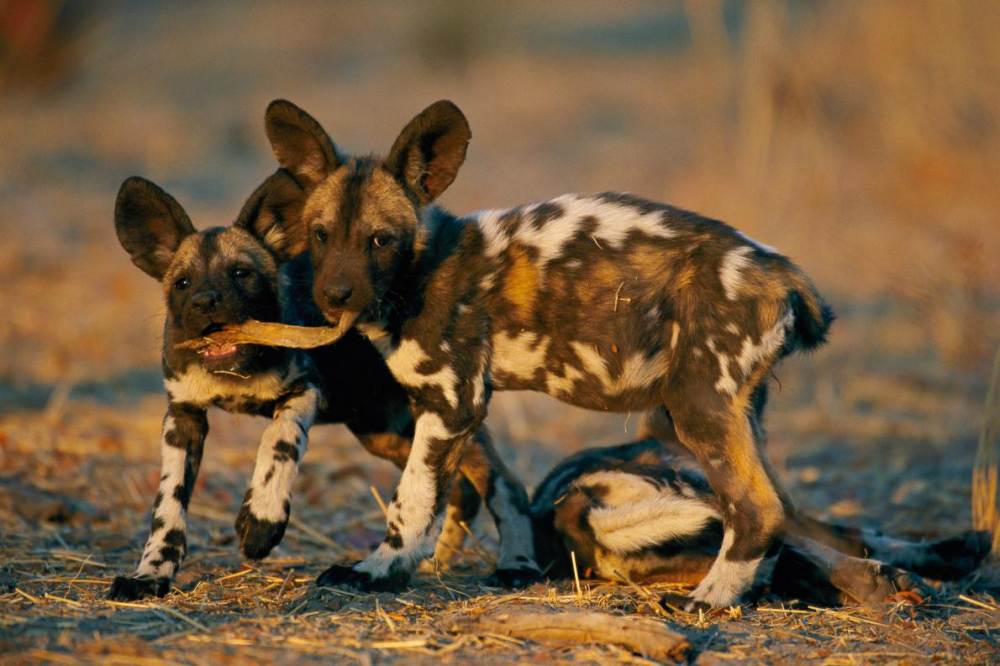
[608,302]
[634,512]
[245,271]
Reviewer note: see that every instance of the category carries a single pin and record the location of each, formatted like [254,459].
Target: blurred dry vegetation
[860,138]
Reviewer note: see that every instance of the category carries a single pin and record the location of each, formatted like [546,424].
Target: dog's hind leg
[863,581]
[507,501]
[181,446]
[715,427]
[463,507]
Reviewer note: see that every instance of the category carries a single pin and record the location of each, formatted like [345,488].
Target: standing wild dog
[608,302]
[636,513]
[245,271]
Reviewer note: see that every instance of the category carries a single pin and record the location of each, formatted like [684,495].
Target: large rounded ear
[273,214]
[150,225]
[299,143]
[429,151]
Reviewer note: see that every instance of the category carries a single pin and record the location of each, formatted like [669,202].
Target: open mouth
[217,352]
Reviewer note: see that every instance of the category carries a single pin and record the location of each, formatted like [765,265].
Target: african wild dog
[226,275]
[636,513]
[608,302]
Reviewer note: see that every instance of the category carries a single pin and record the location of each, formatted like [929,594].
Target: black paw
[679,602]
[258,537]
[954,558]
[345,576]
[514,579]
[125,588]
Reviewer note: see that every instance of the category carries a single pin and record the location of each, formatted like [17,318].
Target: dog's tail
[813,316]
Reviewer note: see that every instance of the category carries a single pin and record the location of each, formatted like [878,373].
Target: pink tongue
[219,350]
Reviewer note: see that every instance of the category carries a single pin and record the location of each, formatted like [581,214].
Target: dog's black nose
[338,294]
[206,301]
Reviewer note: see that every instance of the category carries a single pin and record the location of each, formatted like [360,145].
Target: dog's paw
[956,557]
[258,537]
[679,602]
[887,585]
[514,578]
[128,588]
[347,576]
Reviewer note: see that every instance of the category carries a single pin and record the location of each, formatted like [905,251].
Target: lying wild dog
[608,302]
[635,512]
[229,275]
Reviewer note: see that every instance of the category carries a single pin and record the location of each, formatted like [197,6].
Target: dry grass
[862,138]
[75,515]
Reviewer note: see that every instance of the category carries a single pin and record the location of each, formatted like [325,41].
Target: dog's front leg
[415,512]
[267,505]
[181,445]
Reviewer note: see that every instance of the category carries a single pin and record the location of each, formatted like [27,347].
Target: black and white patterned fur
[609,302]
[229,275]
[635,513]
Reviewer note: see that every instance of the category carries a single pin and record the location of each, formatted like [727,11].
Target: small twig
[846,616]
[315,534]
[238,574]
[284,583]
[64,600]
[378,500]
[476,545]
[976,602]
[230,372]
[618,297]
[384,617]
[181,616]
[399,645]
[576,576]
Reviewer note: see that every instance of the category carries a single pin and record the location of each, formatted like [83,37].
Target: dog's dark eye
[382,240]
[240,273]
[320,234]
[180,284]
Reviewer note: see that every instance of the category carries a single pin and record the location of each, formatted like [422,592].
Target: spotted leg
[717,430]
[181,445]
[416,511]
[266,506]
[484,475]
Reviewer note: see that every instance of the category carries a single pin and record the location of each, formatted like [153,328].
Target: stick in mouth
[271,334]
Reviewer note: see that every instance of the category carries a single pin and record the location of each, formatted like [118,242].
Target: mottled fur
[636,513]
[248,271]
[608,302]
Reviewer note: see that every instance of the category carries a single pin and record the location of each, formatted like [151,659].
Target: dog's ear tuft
[150,225]
[429,151]
[300,144]
[273,214]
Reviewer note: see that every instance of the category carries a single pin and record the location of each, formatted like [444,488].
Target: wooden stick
[985,512]
[642,635]
[271,334]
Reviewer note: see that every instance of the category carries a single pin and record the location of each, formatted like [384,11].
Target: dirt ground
[862,139]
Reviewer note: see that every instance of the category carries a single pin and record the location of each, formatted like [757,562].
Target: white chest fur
[200,387]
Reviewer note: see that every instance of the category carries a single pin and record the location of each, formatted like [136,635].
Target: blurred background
[860,138]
